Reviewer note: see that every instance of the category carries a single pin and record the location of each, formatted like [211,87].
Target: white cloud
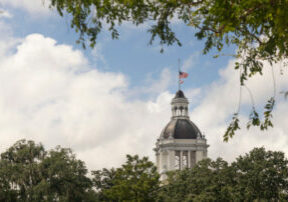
[49,93]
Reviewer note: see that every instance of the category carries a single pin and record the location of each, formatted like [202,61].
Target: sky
[115,99]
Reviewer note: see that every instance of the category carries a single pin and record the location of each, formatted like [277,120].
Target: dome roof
[180,129]
[179,94]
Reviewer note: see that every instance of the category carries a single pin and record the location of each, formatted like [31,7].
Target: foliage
[66,176]
[20,172]
[234,125]
[136,180]
[258,176]
[29,173]
[258,28]
[207,181]
[261,176]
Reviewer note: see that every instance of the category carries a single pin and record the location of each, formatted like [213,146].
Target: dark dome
[179,94]
[180,129]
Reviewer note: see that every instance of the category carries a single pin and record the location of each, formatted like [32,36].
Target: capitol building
[181,144]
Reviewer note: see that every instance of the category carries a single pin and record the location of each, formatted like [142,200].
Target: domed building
[181,143]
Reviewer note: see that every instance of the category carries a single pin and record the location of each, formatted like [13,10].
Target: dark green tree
[207,181]
[258,176]
[257,28]
[136,180]
[66,177]
[262,176]
[20,171]
[29,173]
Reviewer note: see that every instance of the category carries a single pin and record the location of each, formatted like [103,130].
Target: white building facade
[181,144]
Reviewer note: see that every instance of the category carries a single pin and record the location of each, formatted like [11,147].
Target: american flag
[183,75]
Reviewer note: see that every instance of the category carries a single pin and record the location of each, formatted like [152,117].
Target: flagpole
[179,74]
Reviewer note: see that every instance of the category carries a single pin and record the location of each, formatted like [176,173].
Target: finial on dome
[179,94]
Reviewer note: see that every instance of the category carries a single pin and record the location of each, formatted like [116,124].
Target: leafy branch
[233,126]
[268,114]
[254,120]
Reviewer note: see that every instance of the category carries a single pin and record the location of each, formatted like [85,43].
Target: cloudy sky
[115,99]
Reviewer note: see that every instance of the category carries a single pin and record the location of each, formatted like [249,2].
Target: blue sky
[115,99]
[131,54]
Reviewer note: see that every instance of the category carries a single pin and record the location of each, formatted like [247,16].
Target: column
[189,159]
[181,160]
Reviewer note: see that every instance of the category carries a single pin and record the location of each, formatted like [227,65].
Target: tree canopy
[257,176]
[136,180]
[258,28]
[30,173]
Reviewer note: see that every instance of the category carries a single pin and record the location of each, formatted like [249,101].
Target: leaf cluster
[254,120]
[257,27]
[90,16]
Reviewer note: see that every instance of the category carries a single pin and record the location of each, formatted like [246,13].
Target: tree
[258,176]
[66,177]
[20,172]
[136,180]
[258,28]
[29,173]
[207,181]
[261,175]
